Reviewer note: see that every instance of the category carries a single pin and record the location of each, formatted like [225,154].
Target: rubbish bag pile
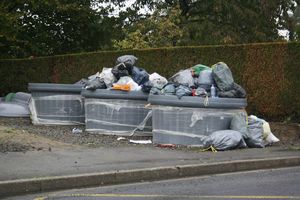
[245,131]
[123,76]
[199,80]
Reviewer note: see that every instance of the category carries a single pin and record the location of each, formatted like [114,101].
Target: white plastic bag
[126,80]
[183,77]
[269,137]
[157,80]
[107,76]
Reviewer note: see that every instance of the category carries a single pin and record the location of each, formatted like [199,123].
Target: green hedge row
[270,72]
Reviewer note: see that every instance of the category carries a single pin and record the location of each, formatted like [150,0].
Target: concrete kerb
[17,187]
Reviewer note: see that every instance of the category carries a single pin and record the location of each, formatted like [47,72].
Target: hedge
[269,72]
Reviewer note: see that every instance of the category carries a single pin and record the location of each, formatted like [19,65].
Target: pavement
[36,171]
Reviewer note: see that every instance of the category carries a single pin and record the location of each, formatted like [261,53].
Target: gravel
[289,134]
[63,133]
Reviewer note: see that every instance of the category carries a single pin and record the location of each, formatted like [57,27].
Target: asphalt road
[263,184]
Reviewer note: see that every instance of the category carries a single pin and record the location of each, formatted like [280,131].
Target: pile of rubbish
[245,131]
[199,80]
[123,76]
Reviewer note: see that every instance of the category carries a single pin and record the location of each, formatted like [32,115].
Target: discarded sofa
[189,120]
[115,112]
[56,104]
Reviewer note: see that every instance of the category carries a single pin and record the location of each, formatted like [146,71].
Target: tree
[239,21]
[9,42]
[229,21]
[296,18]
[48,27]
[161,29]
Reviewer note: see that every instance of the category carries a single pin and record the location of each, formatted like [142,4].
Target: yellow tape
[210,148]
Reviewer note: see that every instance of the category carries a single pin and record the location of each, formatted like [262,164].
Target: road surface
[262,184]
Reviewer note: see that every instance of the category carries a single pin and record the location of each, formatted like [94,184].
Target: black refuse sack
[94,84]
[139,75]
[182,90]
[120,70]
[146,87]
[128,61]
[235,92]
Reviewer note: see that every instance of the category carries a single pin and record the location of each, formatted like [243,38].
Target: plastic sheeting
[179,125]
[9,109]
[117,116]
[17,107]
[197,102]
[56,109]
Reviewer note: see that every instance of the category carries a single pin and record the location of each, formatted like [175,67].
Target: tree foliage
[161,29]
[296,19]
[203,22]
[235,21]
[49,27]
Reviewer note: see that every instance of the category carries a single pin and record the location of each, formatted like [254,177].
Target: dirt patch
[60,133]
[17,140]
[288,133]
[18,134]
